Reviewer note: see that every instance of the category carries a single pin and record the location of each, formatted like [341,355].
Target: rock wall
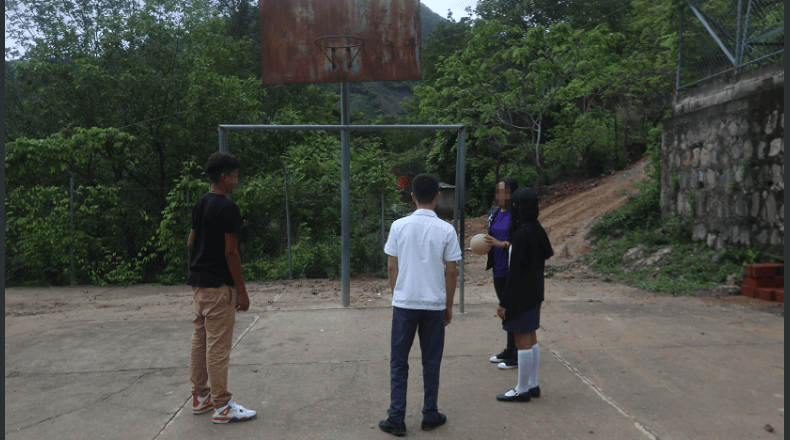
[723,160]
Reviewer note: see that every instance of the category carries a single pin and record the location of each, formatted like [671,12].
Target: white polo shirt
[422,242]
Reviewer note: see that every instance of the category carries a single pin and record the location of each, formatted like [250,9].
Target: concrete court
[623,365]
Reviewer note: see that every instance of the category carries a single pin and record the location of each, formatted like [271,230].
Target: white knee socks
[533,378]
[525,361]
[528,361]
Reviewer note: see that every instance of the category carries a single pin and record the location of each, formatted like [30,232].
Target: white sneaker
[232,412]
[201,405]
[507,365]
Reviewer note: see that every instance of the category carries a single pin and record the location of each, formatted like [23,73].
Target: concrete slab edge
[257,317]
[169,422]
[605,398]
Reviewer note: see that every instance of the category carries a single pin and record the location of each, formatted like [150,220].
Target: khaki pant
[215,315]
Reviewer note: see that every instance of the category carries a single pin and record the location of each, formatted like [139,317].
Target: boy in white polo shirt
[422,254]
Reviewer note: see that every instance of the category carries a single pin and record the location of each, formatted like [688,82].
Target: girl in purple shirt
[500,229]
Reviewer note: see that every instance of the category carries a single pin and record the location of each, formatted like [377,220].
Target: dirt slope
[568,218]
[568,221]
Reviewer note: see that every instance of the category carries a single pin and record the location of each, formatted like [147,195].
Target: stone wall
[723,160]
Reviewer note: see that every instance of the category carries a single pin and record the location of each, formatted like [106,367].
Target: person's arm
[392,272]
[491,241]
[191,241]
[234,264]
[450,279]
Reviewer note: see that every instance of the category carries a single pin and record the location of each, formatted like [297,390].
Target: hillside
[569,211]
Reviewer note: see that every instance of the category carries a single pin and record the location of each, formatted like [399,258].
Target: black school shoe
[534,392]
[523,397]
[430,426]
[387,426]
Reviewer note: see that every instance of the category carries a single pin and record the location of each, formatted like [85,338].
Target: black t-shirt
[214,216]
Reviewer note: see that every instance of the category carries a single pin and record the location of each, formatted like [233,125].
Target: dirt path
[568,221]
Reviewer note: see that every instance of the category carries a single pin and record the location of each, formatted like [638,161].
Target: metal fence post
[461,204]
[738,35]
[383,256]
[287,221]
[71,208]
[744,34]
[457,192]
[188,227]
[680,50]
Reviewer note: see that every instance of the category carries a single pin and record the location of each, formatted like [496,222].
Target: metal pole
[710,31]
[744,34]
[223,139]
[338,127]
[680,50]
[462,203]
[345,196]
[457,193]
[287,222]
[71,208]
[384,259]
[188,226]
[737,61]
[223,146]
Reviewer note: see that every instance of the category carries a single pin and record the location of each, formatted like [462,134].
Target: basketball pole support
[345,198]
[459,189]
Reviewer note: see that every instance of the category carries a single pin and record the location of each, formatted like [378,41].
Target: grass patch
[688,266]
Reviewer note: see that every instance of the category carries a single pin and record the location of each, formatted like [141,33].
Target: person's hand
[448,316]
[242,301]
[500,311]
[491,241]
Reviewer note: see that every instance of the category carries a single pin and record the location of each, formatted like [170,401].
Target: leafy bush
[690,266]
[166,253]
[39,241]
[642,211]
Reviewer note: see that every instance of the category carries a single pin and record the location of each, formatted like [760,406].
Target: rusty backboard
[383,38]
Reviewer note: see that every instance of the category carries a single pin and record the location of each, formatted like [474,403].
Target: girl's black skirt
[527,322]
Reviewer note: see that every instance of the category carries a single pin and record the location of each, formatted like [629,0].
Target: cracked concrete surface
[616,363]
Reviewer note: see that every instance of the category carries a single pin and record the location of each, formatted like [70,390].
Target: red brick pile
[764,281]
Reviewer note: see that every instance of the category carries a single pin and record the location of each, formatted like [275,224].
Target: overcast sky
[457,6]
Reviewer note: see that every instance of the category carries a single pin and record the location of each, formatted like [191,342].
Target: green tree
[504,83]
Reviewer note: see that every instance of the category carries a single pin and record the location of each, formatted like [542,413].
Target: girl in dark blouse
[519,304]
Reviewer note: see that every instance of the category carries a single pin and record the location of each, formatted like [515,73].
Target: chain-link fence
[718,36]
[73,236]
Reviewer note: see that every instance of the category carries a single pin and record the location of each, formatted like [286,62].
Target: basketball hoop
[336,42]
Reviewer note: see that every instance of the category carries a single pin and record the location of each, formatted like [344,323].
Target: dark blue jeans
[429,324]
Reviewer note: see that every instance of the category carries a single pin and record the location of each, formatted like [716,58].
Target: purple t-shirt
[500,230]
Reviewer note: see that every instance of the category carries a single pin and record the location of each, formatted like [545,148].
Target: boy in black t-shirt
[218,286]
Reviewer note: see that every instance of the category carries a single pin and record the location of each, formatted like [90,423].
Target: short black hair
[425,187]
[220,162]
